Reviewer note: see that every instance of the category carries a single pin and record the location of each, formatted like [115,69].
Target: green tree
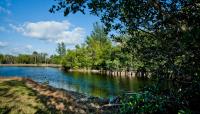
[98,46]
[83,57]
[55,59]
[1,58]
[34,58]
[91,55]
[23,58]
[70,60]
[9,59]
[164,38]
[61,49]
[35,55]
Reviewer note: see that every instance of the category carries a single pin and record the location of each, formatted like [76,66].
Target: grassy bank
[24,96]
[15,98]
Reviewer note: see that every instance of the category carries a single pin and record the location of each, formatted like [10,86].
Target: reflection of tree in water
[141,73]
[87,83]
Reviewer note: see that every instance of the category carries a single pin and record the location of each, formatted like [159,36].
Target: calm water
[89,84]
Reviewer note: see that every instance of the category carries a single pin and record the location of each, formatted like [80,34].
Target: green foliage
[25,59]
[1,58]
[160,31]
[34,58]
[113,65]
[156,99]
[163,37]
[7,59]
[61,49]
[55,59]
[70,60]
[91,55]
[99,52]
[143,103]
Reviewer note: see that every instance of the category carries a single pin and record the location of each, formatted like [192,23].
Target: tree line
[34,58]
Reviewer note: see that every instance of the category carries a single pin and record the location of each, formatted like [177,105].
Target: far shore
[33,65]
[122,73]
[104,72]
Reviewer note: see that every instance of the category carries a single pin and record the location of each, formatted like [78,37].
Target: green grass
[21,96]
[17,98]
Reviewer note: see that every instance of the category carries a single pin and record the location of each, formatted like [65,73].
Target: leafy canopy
[164,36]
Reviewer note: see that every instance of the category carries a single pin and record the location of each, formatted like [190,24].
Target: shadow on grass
[4,110]
[17,97]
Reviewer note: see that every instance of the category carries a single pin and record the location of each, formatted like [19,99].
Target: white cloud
[3,44]
[4,10]
[52,31]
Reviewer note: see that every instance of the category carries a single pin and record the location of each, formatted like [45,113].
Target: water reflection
[89,84]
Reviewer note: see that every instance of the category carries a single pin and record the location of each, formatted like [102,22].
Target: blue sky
[27,26]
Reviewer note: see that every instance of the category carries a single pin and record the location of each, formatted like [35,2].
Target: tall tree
[35,55]
[61,49]
[1,58]
[99,46]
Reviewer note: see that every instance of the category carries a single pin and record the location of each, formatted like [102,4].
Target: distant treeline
[34,58]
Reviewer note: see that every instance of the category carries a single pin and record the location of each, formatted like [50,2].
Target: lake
[86,83]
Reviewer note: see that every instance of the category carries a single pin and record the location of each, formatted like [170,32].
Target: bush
[155,99]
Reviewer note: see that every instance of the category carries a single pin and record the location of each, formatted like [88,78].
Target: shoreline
[67,99]
[129,74]
[33,84]
[33,65]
